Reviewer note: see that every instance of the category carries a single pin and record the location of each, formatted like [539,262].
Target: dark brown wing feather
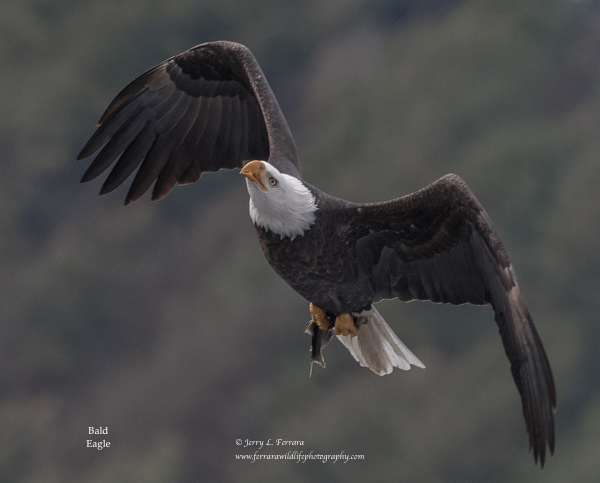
[205,109]
[439,244]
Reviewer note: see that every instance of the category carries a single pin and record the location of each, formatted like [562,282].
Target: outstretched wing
[439,244]
[205,109]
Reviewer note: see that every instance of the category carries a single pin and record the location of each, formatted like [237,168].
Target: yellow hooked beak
[253,171]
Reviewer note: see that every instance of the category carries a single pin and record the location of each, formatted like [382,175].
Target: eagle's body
[211,108]
[321,264]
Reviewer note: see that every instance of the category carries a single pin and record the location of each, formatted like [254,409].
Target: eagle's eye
[272,181]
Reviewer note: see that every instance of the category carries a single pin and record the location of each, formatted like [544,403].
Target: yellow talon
[344,325]
[319,317]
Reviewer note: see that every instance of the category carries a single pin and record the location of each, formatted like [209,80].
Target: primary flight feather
[211,107]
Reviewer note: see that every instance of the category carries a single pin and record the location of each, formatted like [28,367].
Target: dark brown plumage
[211,108]
[205,109]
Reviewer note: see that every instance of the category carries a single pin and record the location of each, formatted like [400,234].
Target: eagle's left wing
[439,244]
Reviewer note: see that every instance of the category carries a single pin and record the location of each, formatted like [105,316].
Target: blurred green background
[164,322]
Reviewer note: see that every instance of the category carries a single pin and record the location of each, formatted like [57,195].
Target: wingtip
[541,458]
[84,153]
[89,175]
[132,197]
[539,452]
[159,195]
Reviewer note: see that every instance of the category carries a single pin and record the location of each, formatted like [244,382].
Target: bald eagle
[211,107]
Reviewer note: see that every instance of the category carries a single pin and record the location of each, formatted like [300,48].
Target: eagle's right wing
[205,109]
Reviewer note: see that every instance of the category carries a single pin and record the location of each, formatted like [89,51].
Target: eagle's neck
[286,210]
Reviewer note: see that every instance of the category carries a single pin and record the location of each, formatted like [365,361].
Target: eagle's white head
[278,202]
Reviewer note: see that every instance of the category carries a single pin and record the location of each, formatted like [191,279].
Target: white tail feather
[377,346]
